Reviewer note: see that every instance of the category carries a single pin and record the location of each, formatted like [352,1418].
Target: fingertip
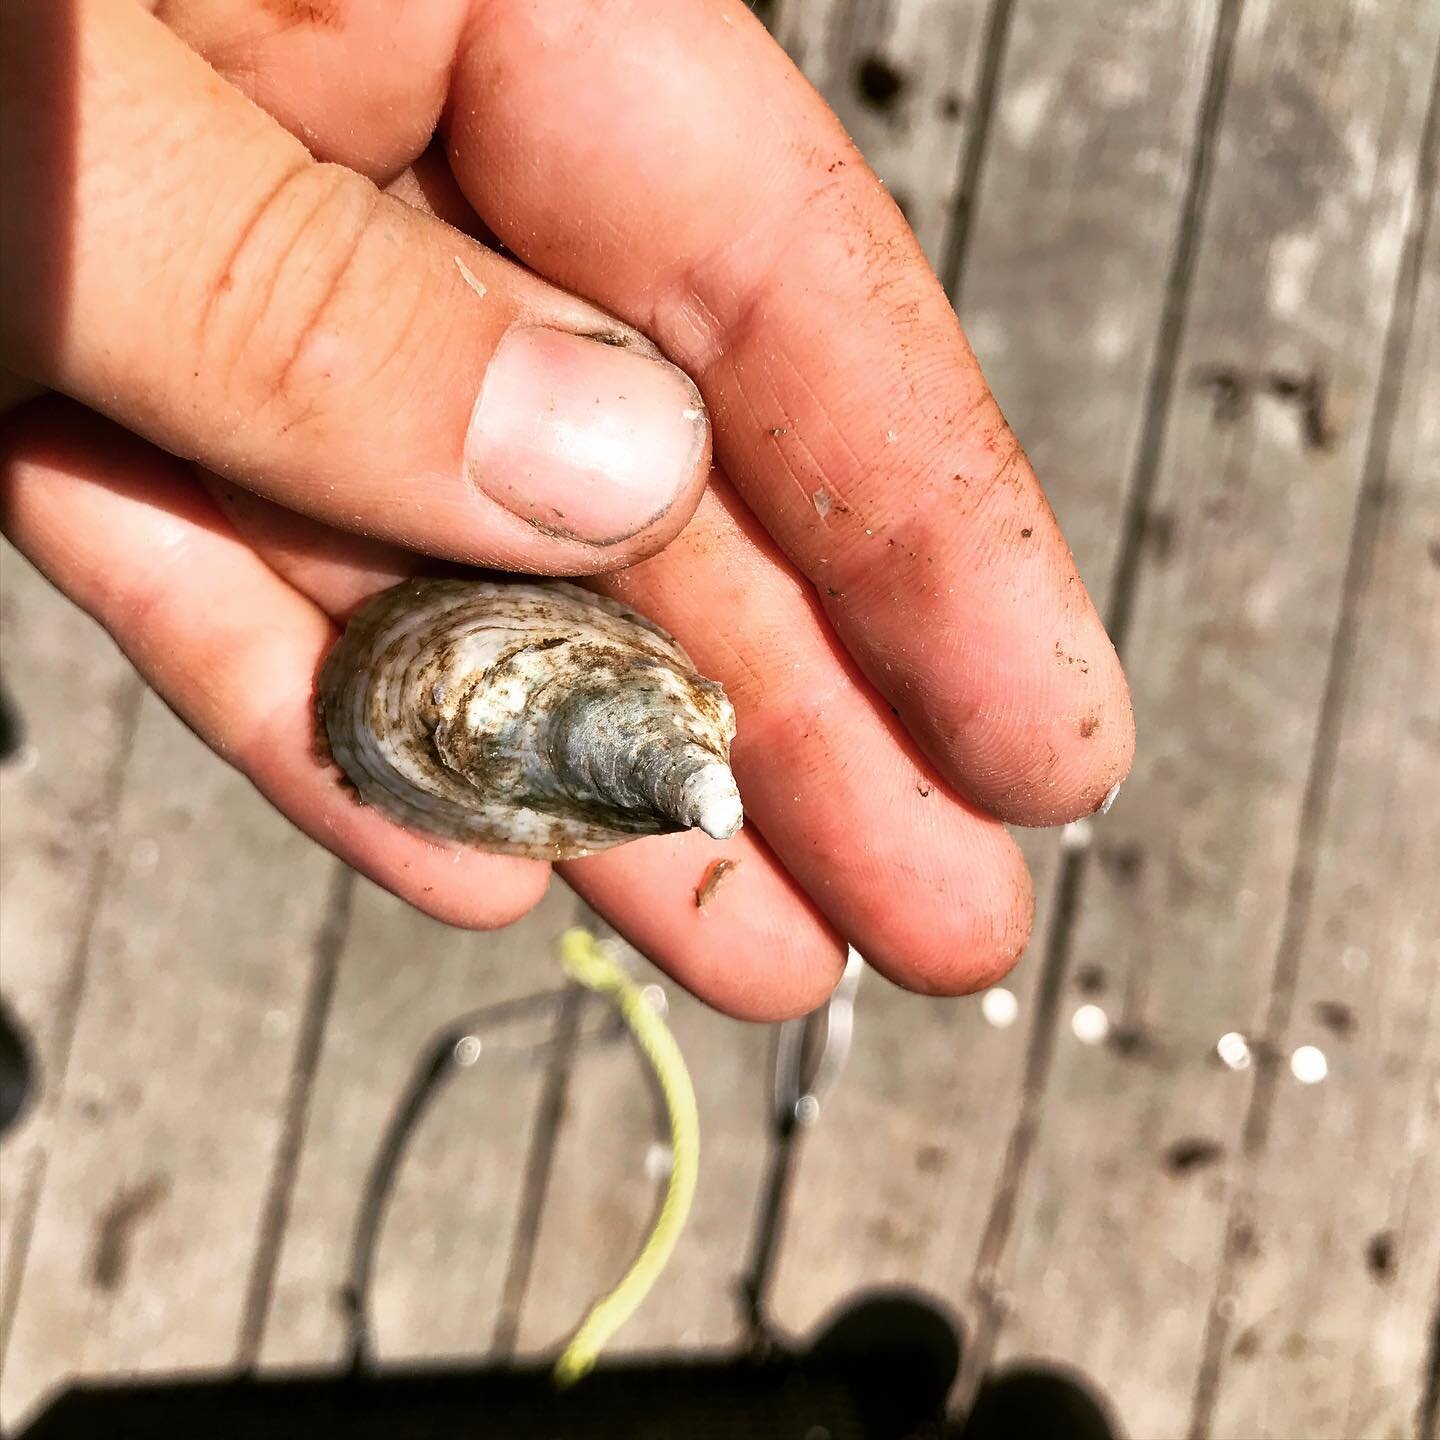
[1072,756]
[975,942]
[802,982]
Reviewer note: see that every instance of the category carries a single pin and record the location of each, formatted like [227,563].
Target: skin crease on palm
[265,367]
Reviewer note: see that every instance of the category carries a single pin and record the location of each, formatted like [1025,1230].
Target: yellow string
[586,962]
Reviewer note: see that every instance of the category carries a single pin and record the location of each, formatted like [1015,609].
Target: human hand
[879,584]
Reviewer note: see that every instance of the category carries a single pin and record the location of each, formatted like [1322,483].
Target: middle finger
[930,890]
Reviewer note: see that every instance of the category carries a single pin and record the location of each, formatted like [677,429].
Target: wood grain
[169,1111]
[1117,1230]
[77,699]
[444,1246]
[1340,1345]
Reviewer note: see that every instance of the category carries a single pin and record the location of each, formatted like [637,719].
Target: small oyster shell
[531,718]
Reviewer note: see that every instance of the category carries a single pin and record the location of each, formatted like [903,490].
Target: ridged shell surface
[531,718]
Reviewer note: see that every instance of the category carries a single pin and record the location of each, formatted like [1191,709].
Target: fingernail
[583,439]
[1109,799]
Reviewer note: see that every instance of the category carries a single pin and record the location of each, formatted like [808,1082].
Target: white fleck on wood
[171,1107]
[1065,283]
[1329,1325]
[444,1246]
[1117,1230]
[76,696]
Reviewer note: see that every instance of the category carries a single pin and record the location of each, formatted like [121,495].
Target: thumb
[184,266]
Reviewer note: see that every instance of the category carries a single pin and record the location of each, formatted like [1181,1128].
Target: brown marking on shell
[531,718]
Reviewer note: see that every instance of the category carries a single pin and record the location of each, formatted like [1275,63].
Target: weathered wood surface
[166,1117]
[444,1247]
[1229,646]
[1066,279]
[1335,1346]
[901,75]
[57,798]
[1178,237]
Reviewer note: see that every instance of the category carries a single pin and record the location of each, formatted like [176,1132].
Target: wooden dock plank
[1104,1243]
[77,699]
[444,1247]
[1073,229]
[170,1108]
[1324,1323]
[1117,1226]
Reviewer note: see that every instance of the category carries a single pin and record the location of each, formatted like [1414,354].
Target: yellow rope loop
[588,964]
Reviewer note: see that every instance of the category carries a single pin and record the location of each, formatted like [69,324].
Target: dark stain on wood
[1247,1343]
[1230,393]
[1380,1255]
[715,872]
[1309,394]
[1130,1042]
[1243,1240]
[1124,861]
[878,83]
[1306,392]
[1337,1017]
[1193,1153]
[1091,980]
[115,1229]
[1158,533]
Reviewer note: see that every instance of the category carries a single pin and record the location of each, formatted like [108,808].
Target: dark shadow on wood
[18,1077]
[538,1165]
[1024,1400]
[12,725]
[879,1371]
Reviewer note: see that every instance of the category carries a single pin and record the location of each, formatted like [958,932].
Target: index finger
[670,163]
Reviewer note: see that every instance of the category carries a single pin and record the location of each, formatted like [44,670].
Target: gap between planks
[1070,882]
[329,942]
[67,1008]
[1427,1420]
[972,164]
[539,1166]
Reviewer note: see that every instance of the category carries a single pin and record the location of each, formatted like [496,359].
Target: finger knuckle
[270,329]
